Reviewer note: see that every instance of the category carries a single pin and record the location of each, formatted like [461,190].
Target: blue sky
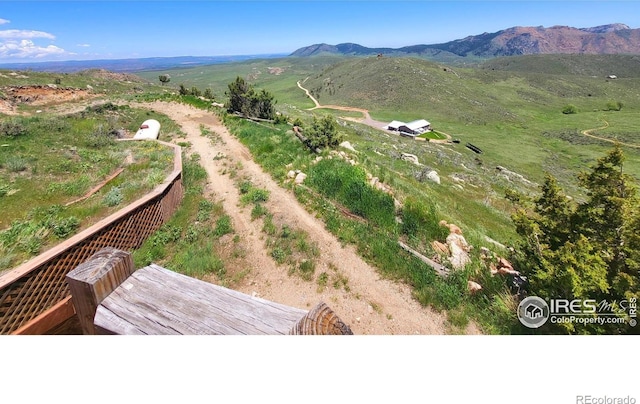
[77,30]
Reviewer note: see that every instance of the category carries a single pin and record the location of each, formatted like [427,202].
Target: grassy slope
[511,108]
[59,158]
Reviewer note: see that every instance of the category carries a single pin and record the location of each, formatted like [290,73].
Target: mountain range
[604,39]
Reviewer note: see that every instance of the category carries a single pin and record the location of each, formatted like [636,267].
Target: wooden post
[92,281]
[320,320]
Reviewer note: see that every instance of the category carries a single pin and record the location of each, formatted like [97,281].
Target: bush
[114,197]
[63,228]
[614,106]
[223,226]
[16,164]
[12,128]
[323,133]
[569,109]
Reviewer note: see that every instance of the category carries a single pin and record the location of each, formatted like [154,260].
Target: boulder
[410,157]
[473,287]
[459,250]
[433,176]
[300,178]
[452,227]
[347,146]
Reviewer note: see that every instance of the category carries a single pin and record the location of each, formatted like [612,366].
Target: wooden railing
[35,297]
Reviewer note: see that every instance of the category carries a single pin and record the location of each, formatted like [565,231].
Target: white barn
[412,128]
[415,127]
[394,125]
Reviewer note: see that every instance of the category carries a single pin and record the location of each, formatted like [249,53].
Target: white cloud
[3,21]
[24,34]
[26,49]
[17,44]
[83,45]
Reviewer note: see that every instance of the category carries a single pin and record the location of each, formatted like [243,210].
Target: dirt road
[366,117]
[372,305]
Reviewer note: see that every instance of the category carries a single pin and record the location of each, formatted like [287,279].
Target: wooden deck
[196,308]
[111,297]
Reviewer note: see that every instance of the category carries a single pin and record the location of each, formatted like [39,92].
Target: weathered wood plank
[440,269]
[154,300]
[92,281]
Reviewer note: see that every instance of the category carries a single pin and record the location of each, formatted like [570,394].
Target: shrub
[223,226]
[16,164]
[255,195]
[569,109]
[614,106]
[4,189]
[63,228]
[114,197]
[12,128]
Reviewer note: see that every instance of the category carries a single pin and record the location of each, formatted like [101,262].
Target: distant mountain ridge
[132,65]
[604,39]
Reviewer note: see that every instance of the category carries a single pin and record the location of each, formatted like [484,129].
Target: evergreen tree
[239,94]
[587,250]
[323,132]
[245,100]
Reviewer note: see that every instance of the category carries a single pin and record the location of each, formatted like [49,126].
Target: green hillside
[510,107]
[515,117]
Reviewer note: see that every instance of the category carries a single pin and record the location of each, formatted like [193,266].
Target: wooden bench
[111,297]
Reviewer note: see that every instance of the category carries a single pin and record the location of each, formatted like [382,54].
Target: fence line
[30,292]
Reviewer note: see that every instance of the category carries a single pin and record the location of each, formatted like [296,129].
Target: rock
[300,178]
[410,157]
[433,176]
[492,241]
[347,146]
[504,267]
[473,287]
[452,227]
[459,250]
[485,253]
[291,174]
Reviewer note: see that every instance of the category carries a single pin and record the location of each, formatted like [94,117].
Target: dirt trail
[587,132]
[366,117]
[372,305]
